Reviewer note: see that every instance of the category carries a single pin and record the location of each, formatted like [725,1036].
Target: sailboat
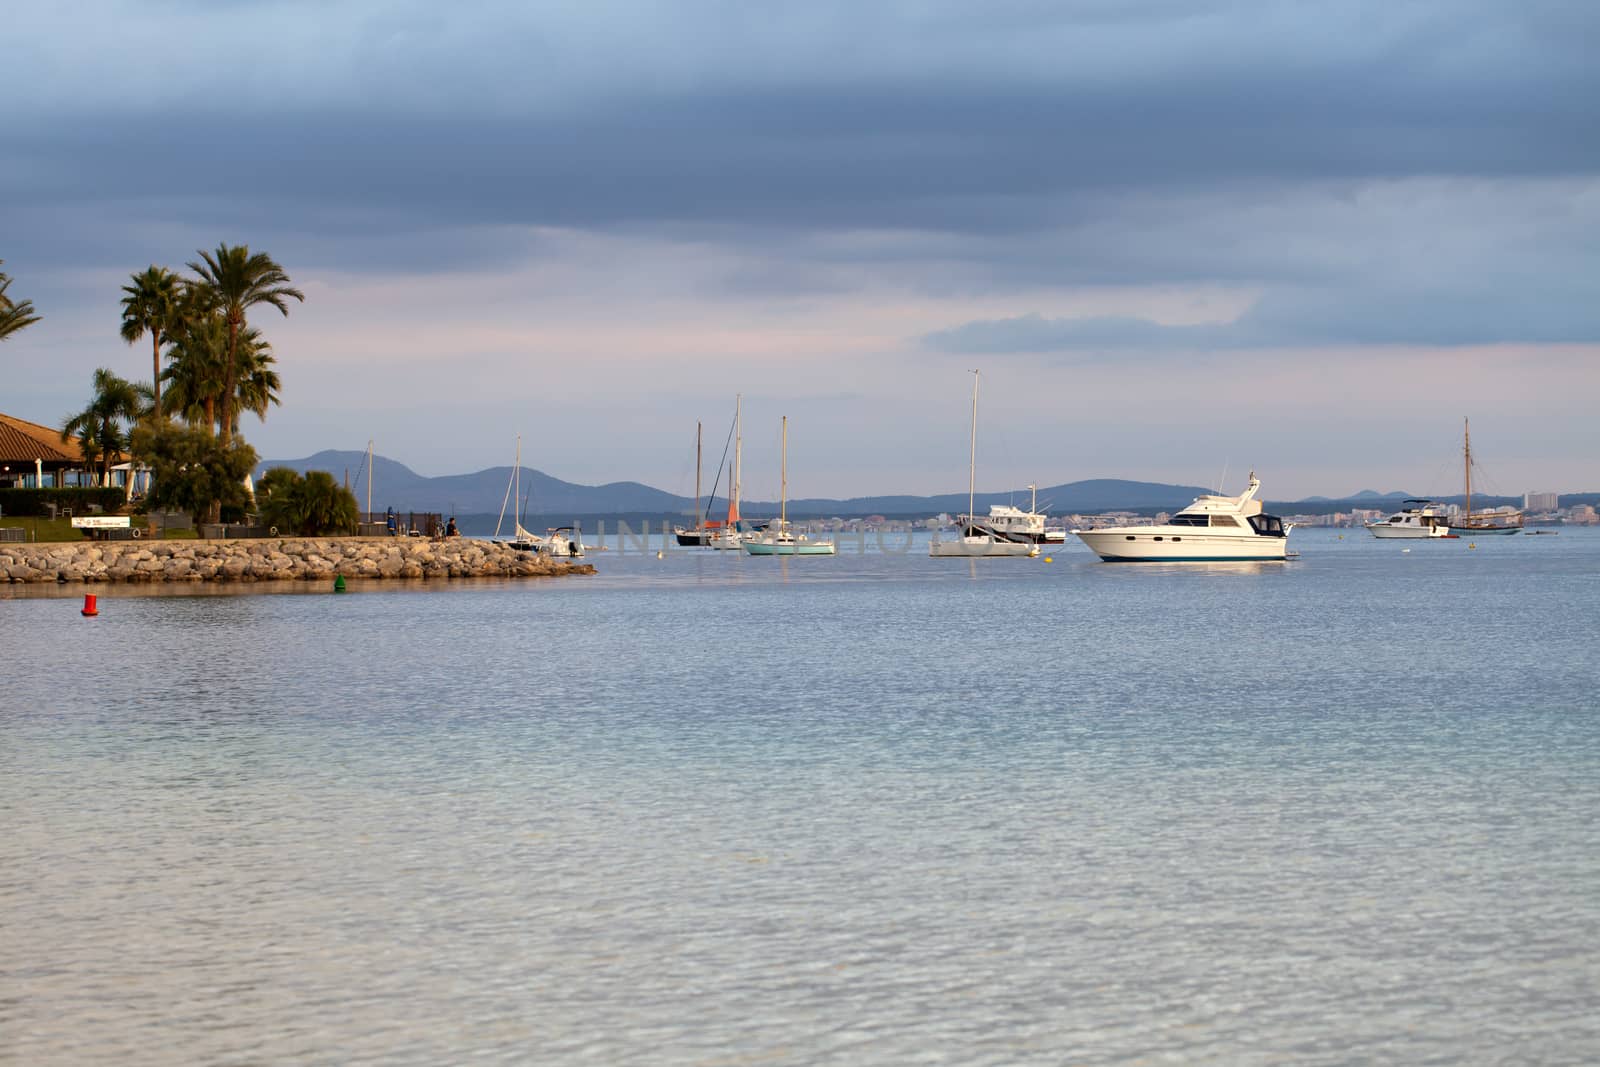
[977,539]
[700,536]
[778,539]
[1488,522]
[522,540]
[565,541]
[730,538]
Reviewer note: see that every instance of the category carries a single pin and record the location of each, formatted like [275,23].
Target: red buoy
[88,605]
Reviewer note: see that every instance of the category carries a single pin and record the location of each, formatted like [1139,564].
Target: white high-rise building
[1540,501]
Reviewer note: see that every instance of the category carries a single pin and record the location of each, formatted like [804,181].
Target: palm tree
[236,281]
[152,306]
[194,370]
[14,314]
[258,382]
[99,427]
[194,374]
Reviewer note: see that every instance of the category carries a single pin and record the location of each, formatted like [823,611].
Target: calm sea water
[876,809]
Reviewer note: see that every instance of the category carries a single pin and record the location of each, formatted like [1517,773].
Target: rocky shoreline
[274,559]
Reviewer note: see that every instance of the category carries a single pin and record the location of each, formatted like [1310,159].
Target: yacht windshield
[1187,520]
[1267,525]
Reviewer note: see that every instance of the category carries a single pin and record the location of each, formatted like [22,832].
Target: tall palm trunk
[230,379]
[155,343]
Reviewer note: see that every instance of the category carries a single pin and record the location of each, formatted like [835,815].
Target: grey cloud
[1348,316]
[1036,333]
[1002,146]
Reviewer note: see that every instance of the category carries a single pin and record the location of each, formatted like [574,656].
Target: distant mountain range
[484,492]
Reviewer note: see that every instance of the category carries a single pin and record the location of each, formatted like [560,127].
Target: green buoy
[338,583]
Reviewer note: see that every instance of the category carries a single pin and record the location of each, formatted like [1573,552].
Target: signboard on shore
[101,522]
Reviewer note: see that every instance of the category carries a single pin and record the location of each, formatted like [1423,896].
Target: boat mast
[369,479]
[699,521]
[1466,451]
[972,457]
[738,452]
[783,480]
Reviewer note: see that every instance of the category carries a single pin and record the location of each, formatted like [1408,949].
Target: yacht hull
[1409,533]
[1156,544]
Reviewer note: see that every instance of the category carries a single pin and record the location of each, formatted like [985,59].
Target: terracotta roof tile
[22,442]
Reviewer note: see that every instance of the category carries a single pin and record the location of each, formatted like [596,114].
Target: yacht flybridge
[1426,519]
[1213,528]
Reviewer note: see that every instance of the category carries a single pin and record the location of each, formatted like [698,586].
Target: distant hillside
[398,486]
[482,493]
[1096,494]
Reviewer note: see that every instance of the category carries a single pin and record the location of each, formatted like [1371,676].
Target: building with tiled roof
[26,448]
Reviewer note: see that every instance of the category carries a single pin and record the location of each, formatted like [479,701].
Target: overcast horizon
[1178,238]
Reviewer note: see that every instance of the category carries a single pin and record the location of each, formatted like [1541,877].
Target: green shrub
[309,506]
[29,502]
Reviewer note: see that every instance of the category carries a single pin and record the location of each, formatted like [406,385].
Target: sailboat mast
[699,522]
[369,479]
[972,455]
[738,462]
[1466,452]
[783,479]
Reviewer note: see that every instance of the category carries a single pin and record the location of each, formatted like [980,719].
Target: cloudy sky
[1178,237]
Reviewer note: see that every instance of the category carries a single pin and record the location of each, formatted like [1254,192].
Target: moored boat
[1212,529]
[697,536]
[779,539]
[1427,519]
[1484,523]
[1013,524]
[730,537]
[521,539]
[977,538]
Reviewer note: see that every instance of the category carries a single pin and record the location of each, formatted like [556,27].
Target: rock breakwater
[273,559]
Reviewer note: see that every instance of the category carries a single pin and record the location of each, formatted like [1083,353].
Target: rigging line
[721,466]
[507,498]
[683,476]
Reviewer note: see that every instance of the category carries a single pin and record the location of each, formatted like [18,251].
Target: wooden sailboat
[976,539]
[778,539]
[1493,522]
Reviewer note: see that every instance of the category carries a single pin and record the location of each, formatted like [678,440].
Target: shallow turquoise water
[873,809]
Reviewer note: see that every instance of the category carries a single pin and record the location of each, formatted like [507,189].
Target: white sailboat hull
[979,547]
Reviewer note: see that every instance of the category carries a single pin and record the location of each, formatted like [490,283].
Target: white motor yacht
[1210,529]
[1010,523]
[1427,519]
